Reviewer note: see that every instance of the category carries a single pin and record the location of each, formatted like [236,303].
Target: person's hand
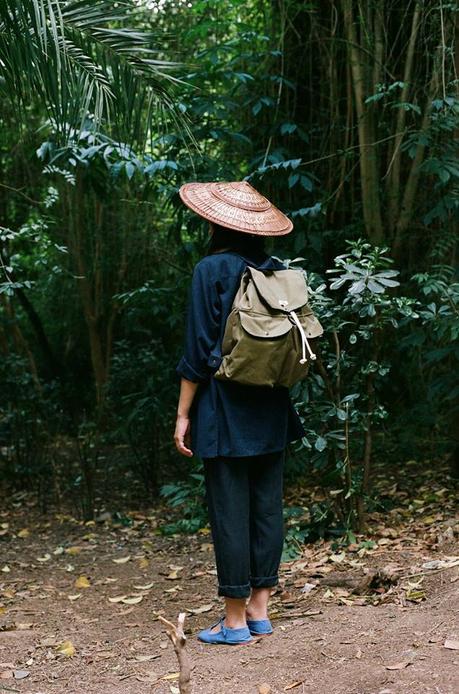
[182,436]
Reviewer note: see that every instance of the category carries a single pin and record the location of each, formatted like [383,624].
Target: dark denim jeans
[244,497]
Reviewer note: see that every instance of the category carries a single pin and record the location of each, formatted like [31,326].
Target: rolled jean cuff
[264,581]
[234,591]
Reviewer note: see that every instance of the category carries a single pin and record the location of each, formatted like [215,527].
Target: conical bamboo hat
[236,205]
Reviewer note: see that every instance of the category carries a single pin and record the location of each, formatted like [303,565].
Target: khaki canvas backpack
[266,339]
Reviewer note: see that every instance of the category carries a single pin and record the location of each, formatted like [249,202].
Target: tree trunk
[411,187]
[371,203]
[393,178]
[88,292]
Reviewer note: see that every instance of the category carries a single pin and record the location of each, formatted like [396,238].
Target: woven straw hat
[236,205]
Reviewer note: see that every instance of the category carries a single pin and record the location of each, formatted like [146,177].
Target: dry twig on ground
[178,638]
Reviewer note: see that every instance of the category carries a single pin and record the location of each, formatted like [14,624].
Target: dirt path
[58,575]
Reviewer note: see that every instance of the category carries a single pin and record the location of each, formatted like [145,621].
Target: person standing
[239,431]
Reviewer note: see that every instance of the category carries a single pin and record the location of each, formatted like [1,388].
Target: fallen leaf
[6,569]
[200,610]
[25,532]
[132,601]
[206,547]
[46,557]
[143,563]
[145,658]
[308,587]
[66,648]
[148,678]
[73,550]
[264,689]
[172,676]
[345,601]
[174,690]
[117,598]
[82,582]
[415,595]
[20,674]
[147,587]
[122,560]
[452,644]
[74,597]
[399,666]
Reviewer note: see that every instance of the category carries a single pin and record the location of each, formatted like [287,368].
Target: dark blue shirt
[227,418]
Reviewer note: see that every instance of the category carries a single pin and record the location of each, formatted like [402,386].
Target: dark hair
[229,239]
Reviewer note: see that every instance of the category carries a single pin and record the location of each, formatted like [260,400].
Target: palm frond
[81,58]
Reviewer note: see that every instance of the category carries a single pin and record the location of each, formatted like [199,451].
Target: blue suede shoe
[230,637]
[260,627]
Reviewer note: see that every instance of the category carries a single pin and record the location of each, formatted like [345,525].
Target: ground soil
[401,634]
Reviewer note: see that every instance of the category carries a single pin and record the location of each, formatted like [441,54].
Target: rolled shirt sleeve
[201,355]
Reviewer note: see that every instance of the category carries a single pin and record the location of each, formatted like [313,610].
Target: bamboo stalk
[371,203]
[393,179]
[411,187]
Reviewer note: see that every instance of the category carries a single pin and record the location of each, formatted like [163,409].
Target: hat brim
[200,198]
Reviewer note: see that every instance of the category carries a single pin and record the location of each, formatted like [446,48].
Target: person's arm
[182,426]
[199,361]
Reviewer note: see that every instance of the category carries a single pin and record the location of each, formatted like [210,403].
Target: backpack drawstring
[304,340]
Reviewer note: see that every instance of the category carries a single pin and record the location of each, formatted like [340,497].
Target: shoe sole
[226,643]
[268,633]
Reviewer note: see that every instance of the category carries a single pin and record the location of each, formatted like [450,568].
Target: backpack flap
[281,290]
[265,325]
[310,323]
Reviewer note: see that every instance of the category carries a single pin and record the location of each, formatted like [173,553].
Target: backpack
[266,338]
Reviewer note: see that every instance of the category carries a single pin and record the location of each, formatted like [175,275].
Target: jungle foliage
[346,113]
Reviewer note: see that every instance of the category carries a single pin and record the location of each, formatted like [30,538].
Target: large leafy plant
[342,402]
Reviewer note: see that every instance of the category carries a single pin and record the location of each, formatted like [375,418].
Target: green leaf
[375,287]
[320,444]
[287,128]
[130,168]
[357,287]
